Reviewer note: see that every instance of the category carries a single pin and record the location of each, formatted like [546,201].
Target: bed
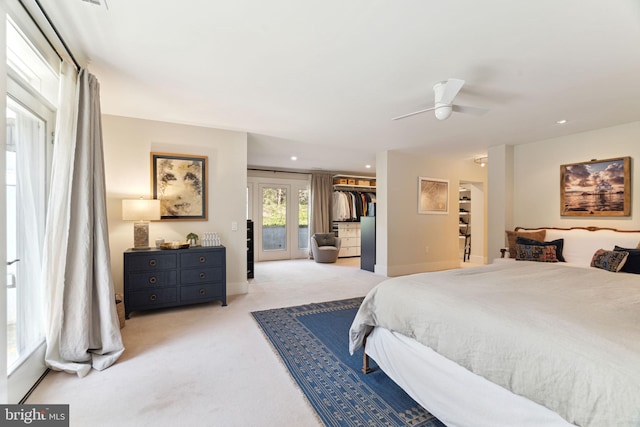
[517,342]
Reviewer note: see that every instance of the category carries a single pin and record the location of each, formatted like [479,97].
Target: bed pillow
[538,253]
[512,235]
[559,244]
[633,260]
[609,260]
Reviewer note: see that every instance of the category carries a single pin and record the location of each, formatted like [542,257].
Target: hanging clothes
[351,205]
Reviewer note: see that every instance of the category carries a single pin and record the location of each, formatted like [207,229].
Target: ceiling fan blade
[451,89]
[414,113]
[476,111]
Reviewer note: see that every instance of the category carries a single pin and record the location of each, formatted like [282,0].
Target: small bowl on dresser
[174,245]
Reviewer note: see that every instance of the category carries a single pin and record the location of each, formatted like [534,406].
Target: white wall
[414,242]
[128,143]
[537,176]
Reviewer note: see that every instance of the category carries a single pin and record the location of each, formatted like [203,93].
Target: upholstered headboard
[580,243]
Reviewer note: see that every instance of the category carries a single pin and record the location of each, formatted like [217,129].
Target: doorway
[472,223]
[32,90]
[280,210]
[26,169]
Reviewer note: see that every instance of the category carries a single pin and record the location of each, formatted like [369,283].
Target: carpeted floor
[311,340]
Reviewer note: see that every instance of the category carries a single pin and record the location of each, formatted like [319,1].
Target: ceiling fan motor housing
[442,110]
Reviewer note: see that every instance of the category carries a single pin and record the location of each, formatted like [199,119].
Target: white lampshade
[140,210]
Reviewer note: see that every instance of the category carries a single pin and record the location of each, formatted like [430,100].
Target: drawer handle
[153,262]
[202,275]
[202,259]
[153,297]
[202,292]
[153,280]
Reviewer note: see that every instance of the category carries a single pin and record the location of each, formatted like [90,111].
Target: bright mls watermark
[34,415]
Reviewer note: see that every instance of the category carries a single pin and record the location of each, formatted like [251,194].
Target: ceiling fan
[445,92]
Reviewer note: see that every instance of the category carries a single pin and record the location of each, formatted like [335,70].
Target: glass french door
[283,221]
[27,167]
[302,225]
[273,222]
[32,79]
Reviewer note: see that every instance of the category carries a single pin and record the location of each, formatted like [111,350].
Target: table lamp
[141,211]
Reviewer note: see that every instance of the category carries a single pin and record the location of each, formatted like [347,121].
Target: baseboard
[403,270]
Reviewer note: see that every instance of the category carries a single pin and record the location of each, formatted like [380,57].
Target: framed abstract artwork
[180,183]
[433,196]
[596,188]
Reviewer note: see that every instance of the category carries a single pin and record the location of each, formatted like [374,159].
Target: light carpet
[207,365]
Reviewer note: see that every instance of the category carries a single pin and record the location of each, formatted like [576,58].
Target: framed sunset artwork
[596,188]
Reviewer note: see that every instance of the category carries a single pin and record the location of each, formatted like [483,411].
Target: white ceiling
[322,79]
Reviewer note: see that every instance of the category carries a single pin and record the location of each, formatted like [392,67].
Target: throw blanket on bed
[565,337]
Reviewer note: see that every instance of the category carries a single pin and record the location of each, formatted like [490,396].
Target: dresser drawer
[201,275]
[154,261]
[349,226]
[150,298]
[198,259]
[152,279]
[349,242]
[349,251]
[201,292]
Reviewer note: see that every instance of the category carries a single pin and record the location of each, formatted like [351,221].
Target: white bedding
[573,348]
[454,395]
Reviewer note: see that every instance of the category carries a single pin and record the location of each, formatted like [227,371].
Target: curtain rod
[277,171]
[55,30]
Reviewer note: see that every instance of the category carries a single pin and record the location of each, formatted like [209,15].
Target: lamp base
[140,235]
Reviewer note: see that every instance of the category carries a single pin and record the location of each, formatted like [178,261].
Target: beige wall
[127,144]
[524,181]
[499,198]
[413,242]
[537,175]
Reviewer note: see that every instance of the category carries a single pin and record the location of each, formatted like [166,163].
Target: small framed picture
[433,196]
[180,183]
[596,188]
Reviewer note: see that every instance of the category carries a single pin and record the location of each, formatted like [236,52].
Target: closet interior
[354,198]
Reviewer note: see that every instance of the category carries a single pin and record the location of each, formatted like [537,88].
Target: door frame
[30,369]
[293,182]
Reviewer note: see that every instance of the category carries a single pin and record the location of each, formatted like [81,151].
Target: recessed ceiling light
[561,122]
[294,158]
[368,166]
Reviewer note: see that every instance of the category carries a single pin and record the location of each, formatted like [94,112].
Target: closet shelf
[359,187]
[354,181]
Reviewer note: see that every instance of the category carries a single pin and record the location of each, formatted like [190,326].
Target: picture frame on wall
[179,181]
[596,188]
[433,196]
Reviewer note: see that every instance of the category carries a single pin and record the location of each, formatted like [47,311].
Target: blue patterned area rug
[312,341]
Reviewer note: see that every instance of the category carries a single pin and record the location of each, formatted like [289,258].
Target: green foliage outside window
[274,207]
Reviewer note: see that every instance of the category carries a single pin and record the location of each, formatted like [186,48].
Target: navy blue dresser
[166,278]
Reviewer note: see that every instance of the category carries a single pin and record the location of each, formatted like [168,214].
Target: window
[32,90]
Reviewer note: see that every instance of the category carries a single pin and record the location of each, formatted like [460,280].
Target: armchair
[325,247]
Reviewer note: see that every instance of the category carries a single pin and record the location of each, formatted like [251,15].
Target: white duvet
[565,337]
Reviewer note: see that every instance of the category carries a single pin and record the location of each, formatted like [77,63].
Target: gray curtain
[321,197]
[84,331]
